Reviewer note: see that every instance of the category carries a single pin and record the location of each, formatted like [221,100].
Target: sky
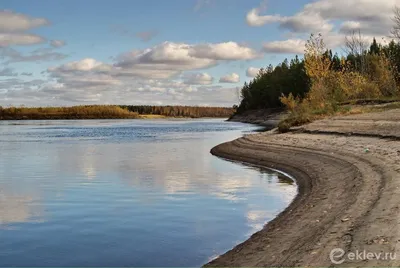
[163,52]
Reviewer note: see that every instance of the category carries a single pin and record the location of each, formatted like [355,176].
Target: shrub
[290,102]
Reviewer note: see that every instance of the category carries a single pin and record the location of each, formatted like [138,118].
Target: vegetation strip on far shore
[111,112]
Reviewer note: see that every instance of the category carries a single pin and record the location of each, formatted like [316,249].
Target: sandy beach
[348,173]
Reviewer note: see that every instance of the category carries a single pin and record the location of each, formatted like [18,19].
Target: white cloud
[364,10]
[333,18]
[336,40]
[198,79]
[170,86]
[83,74]
[252,71]
[92,81]
[96,81]
[223,51]
[365,28]
[305,21]
[139,76]
[254,18]
[230,78]
[13,27]
[11,55]
[372,17]
[148,92]
[96,78]
[13,31]
[15,22]
[83,65]
[57,43]
[332,40]
[295,46]
[157,92]
[9,39]
[169,59]
[162,61]
[79,81]
[350,26]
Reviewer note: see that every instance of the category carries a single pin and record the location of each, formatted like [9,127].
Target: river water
[128,193]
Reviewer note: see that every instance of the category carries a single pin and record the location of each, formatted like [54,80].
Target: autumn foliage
[364,75]
[75,112]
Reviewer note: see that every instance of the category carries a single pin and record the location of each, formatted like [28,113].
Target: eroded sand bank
[349,193]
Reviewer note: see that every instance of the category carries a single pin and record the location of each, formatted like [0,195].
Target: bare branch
[396,20]
[355,44]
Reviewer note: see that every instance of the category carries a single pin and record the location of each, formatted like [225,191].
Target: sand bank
[348,173]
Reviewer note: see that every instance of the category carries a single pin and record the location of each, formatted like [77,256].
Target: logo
[339,256]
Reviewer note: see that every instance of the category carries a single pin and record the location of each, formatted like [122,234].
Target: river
[128,193]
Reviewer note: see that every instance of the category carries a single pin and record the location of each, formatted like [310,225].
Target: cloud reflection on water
[16,208]
[139,182]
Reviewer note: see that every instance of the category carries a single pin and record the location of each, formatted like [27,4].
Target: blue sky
[194,52]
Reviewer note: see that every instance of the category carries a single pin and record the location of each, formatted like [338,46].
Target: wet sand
[348,173]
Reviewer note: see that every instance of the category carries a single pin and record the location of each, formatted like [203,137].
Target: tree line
[367,72]
[181,111]
[270,83]
[60,113]
[364,71]
[109,112]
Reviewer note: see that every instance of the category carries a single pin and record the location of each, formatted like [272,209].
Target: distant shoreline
[140,117]
[112,112]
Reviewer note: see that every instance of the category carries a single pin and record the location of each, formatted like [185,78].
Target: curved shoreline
[345,200]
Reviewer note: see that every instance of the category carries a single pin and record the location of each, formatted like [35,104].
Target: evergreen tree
[374,48]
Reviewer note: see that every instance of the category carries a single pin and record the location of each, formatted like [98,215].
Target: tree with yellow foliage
[316,63]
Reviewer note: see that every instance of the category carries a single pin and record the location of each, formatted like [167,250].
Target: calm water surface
[127,193]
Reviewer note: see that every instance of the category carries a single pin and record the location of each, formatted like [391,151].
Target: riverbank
[268,118]
[347,170]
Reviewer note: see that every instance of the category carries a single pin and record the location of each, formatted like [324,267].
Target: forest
[181,111]
[270,83]
[265,90]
